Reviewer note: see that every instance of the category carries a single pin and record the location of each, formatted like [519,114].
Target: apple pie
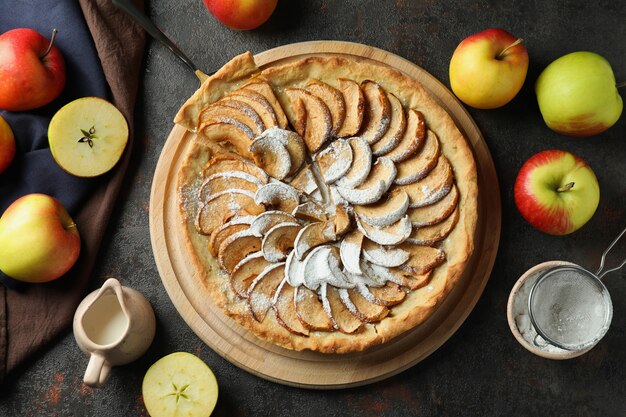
[329,203]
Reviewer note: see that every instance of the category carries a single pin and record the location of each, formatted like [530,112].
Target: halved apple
[396,130]
[87,136]
[418,166]
[355,105]
[377,114]
[412,140]
[179,384]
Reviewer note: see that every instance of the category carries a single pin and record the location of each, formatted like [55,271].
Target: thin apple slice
[388,295]
[350,251]
[246,109]
[435,186]
[361,164]
[266,220]
[418,166]
[246,271]
[304,181]
[294,270]
[430,235]
[377,112]
[323,265]
[393,234]
[179,384]
[344,319]
[277,196]
[228,163]
[310,310]
[367,311]
[235,248]
[355,105]
[388,256]
[332,98]
[343,223]
[313,235]
[310,211]
[228,180]
[233,226]
[87,136]
[260,105]
[285,309]
[422,259]
[260,86]
[221,113]
[377,183]
[413,139]
[334,161]
[397,128]
[434,213]
[278,241]
[262,290]
[228,134]
[386,211]
[411,280]
[270,153]
[318,123]
[221,207]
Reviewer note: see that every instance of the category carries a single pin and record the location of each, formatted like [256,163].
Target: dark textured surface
[481,370]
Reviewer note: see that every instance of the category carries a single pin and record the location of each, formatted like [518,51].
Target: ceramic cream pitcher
[114,325]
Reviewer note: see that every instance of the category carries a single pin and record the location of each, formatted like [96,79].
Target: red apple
[32,70]
[241,14]
[7,145]
[556,192]
[39,241]
[488,69]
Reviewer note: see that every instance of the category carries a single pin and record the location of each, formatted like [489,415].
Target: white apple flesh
[39,241]
[556,192]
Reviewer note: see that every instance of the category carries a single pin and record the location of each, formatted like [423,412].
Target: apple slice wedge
[229,134]
[262,289]
[278,241]
[317,125]
[233,114]
[346,321]
[335,160]
[260,105]
[227,180]
[245,271]
[386,211]
[223,162]
[284,307]
[435,186]
[87,136]
[277,196]
[310,310]
[377,183]
[355,105]
[179,384]
[377,112]
[422,259]
[310,211]
[434,213]
[236,247]
[236,224]
[350,251]
[260,86]
[333,99]
[393,234]
[270,154]
[313,235]
[361,164]
[223,206]
[268,219]
[304,181]
[418,166]
[388,256]
[430,235]
[412,140]
[397,127]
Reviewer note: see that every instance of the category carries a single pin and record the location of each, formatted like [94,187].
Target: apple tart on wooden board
[329,203]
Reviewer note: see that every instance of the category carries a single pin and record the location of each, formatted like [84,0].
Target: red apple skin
[7,145]
[482,80]
[241,14]
[542,205]
[39,241]
[28,80]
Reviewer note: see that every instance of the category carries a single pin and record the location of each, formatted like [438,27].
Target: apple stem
[620,85]
[566,187]
[517,42]
[54,35]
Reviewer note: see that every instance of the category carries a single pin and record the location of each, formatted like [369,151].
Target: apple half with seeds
[179,384]
[87,136]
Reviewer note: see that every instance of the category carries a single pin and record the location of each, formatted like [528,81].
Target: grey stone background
[481,370]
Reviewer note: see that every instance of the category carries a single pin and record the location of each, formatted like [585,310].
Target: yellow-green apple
[39,241]
[87,136]
[179,384]
[556,192]
[32,70]
[578,96]
[241,14]
[488,68]
[7,145]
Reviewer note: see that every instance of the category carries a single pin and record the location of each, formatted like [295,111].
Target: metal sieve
[570,307]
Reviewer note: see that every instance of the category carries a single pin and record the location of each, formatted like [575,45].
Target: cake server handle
[143,21]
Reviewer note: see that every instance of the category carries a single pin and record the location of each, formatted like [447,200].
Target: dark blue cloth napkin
[33,169]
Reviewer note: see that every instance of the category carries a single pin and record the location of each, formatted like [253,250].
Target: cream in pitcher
[113,325]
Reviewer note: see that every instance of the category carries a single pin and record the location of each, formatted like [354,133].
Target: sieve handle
[540,342]
[606,252]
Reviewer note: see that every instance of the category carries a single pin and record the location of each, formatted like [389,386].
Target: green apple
[488,68]
[87,136]
[7,145]
[39,241]
[556,191]
[179,384]
[578,96]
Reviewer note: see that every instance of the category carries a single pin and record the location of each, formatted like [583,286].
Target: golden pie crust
[419,303]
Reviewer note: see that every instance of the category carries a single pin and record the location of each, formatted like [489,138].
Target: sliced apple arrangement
[330,225]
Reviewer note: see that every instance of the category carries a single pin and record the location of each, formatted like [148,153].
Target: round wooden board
[311,369]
